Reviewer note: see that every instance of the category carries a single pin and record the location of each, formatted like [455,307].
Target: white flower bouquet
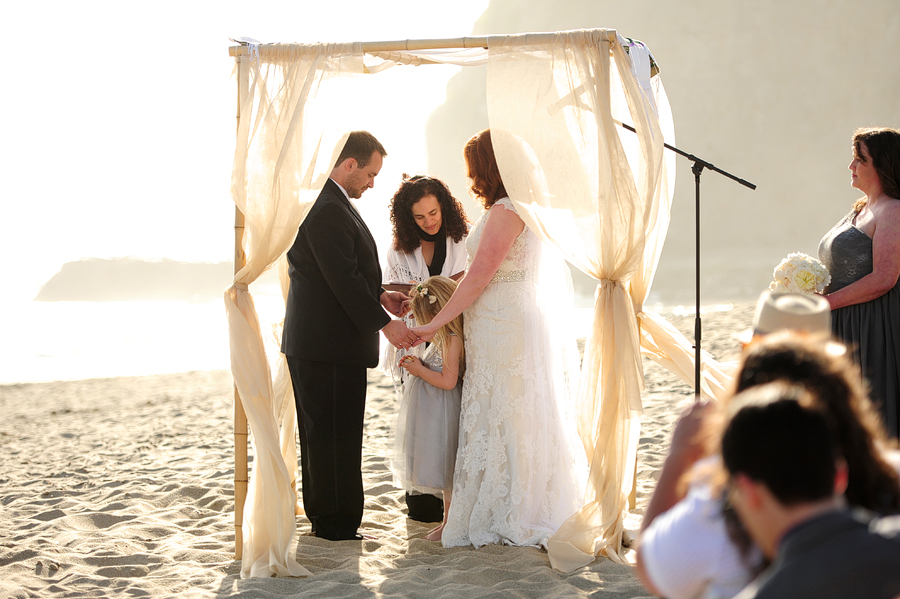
[800,273]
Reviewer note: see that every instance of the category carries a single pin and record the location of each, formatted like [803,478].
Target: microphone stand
[697,168]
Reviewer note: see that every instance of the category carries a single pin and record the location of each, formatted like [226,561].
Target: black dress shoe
[353,537]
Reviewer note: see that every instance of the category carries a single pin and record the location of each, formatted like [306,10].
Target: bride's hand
[425,333]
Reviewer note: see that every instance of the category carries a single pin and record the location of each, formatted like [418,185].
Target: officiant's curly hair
[426,300]
[482,169]
[454,222]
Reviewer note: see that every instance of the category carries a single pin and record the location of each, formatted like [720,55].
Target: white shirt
[687,552]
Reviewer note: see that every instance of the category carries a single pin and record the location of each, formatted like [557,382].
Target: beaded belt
[508,276]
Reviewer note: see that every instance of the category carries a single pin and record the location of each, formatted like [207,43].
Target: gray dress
[426,434]
[871,329]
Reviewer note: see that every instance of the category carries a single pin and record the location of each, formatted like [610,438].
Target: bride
[518,473]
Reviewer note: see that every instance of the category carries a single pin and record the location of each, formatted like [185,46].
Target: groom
[335,308]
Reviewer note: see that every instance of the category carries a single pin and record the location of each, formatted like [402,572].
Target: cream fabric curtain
[599,193]
[294,114]
[602,195]
[283,155]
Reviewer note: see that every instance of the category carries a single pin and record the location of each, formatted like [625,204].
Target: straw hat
[789,311]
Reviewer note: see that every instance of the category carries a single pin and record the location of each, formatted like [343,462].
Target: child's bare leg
[435,534]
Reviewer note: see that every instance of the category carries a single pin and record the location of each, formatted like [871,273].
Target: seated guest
[690,543]
[786,480]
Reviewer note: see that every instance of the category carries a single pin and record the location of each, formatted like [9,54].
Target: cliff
[132,279]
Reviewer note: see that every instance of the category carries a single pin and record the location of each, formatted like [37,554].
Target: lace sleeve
[506,203]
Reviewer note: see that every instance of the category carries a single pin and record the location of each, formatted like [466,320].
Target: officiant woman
[862,253]
[429,232]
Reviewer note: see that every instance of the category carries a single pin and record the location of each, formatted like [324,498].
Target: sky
[120,116]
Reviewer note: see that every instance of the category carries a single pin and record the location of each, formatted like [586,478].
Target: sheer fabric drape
[290,130]
[283,155]
[602,195]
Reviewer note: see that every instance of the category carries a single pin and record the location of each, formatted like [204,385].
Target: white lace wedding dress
[518,474]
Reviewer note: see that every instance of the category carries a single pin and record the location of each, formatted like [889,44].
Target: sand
[123,487]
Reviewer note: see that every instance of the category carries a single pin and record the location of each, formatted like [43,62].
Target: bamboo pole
[480,41]
[240,417]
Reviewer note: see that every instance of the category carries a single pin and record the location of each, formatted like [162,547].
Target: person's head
[776,436]
[782,460]
[359,163]
[421,207]
[825,370]
[482,170]
[810,314]
[876,161]
[427,299]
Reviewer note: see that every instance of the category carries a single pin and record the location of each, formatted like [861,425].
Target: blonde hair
[426,300]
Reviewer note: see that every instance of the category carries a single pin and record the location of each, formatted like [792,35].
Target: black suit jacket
[333,309]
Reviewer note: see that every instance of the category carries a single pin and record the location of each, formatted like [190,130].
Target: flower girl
[427,431]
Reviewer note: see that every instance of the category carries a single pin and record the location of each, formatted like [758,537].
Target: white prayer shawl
[404,268]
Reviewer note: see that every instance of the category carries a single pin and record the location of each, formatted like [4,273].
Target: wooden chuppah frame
[241,436]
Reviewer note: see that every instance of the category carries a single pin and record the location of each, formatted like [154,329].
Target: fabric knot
[240,286]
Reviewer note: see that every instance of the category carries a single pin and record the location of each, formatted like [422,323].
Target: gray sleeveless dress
[426,434]
[870,329]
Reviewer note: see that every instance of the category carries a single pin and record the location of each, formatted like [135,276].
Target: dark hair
[779,440]
[411,190]
[482,169]
[835,385]
[883,145]
[360,146]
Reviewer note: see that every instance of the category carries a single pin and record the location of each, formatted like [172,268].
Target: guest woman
[518,475]
[862,253]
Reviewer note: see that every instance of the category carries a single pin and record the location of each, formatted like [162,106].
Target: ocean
[50,341]
[73,340]
[57,341]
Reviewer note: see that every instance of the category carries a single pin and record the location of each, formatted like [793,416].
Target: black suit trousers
[331,402]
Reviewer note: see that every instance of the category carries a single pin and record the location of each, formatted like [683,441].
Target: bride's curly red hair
[482,169]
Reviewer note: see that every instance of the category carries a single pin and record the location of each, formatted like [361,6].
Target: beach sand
[123,487]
